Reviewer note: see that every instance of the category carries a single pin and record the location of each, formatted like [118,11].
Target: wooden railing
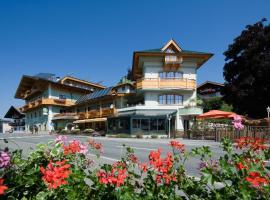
[46,101]
[105,112]
[158,83]
[262,132]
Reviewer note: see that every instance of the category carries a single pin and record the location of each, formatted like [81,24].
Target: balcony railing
[158,83]
[105,112]
[46,101]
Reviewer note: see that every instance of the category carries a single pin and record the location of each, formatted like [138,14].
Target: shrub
[75,131]
[69,126]
[57,170]
[123,135]
[139,135]
[64,131]
[154,136]
[88,131]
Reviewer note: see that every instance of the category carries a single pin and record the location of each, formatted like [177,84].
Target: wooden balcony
[166,84]
[46,101]
[105,112]
[65,116]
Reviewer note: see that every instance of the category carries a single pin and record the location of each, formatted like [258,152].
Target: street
[113,147]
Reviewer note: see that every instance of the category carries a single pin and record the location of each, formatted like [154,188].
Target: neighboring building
[4,126]
[161,96]
[17,119]
[46,95]
[209,89]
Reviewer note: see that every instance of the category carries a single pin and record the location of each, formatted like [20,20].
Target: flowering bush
[65,170]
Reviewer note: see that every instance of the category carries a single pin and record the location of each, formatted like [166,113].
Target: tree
[215,103]
[247,71]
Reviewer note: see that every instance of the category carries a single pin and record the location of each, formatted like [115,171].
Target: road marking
[105,157]
[140,148]
[20,137]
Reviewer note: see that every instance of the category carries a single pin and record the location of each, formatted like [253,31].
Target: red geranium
[255,144]
[256,179]
[55,174]
[95,145]
[115,177]
[72,147]
[178,146]
[2,187]
[163,166]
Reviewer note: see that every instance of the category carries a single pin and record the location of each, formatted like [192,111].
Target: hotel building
[161,96]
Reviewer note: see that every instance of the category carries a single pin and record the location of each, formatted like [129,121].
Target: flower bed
[64,169]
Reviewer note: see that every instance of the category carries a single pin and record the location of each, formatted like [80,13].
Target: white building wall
[152,69]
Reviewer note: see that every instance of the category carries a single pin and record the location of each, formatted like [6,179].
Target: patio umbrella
[216,114]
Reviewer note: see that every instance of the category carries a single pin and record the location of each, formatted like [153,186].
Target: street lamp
[169,117]
[268,111]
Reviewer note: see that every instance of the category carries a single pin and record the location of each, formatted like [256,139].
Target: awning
[216,114]
[90,120]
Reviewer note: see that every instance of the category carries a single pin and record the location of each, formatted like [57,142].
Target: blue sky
[94,40]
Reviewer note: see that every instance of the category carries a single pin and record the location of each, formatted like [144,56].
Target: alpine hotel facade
[160,97]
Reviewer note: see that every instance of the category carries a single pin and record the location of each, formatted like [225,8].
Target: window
[35,114]
[170,99]
[62,111]
[136,123]
[153,124]
[170,75]
[62,96]
[40,113]
[178,99]
[162,99]
[145,124]
[123,88]
[178,75]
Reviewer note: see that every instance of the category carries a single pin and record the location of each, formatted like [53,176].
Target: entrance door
[186,125]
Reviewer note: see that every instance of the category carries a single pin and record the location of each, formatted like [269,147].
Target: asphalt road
[113,147]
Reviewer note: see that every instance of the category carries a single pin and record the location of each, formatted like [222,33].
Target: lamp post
[268,111]
[169,117]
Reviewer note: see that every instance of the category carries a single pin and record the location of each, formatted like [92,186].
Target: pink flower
[60,139]
[4,159]
[84,148]
[237,122]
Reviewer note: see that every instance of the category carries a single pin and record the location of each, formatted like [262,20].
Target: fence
[217,134]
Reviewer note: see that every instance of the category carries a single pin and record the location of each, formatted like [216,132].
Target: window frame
[170,99]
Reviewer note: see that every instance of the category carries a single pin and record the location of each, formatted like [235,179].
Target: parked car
[98,133]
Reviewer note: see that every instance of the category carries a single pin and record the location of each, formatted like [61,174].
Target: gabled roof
[13,110]
[27,82]
[123,84]
[171,43]
[81,81]
[210,83]
[96,94]
[198,56]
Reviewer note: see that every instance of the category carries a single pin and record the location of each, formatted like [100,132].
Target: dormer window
[170,50]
